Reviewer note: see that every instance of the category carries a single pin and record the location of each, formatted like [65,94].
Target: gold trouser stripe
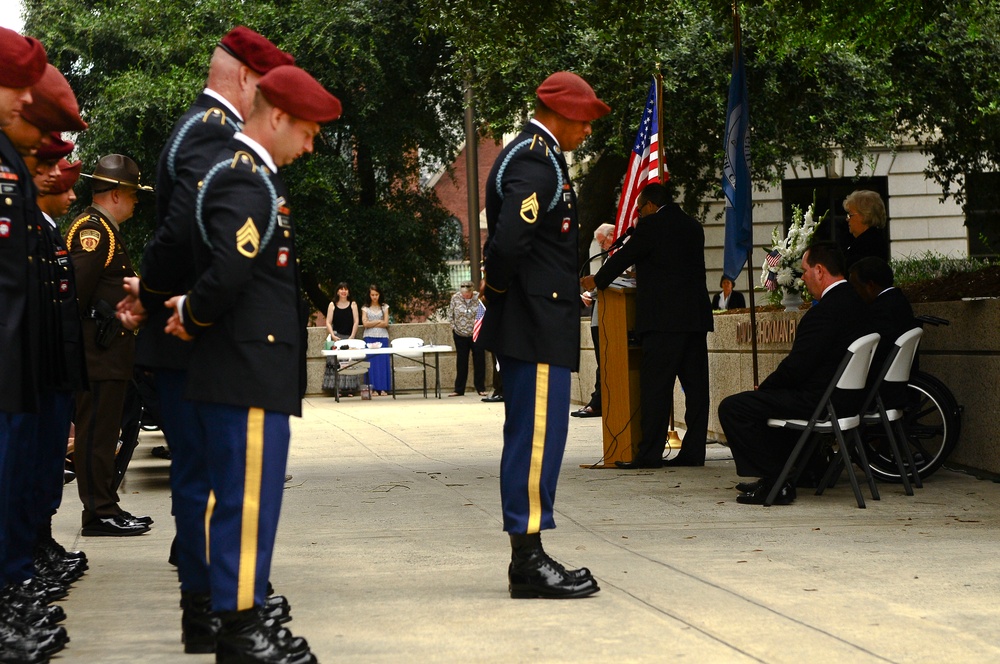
[538,449]
[251,509]
[209,508]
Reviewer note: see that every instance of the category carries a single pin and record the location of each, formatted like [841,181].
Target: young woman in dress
[375,319]
[342,320]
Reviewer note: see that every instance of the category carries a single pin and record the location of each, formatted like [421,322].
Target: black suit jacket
[167,263]
[870,243]
[530,258]
[244,307]
[890,315]
[736,300]
[668,251]
[821,340]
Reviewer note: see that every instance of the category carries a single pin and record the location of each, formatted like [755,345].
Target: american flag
[643,165]
[773,259]
[480,310]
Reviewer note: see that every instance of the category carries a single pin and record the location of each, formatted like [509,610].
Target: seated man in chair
[796,386]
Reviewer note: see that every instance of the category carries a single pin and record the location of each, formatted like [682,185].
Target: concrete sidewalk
[390,549]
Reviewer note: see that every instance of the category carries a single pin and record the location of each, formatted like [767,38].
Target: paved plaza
[390,549]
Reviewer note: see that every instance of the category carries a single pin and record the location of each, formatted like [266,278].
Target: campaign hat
[115,170]
[23,58]
[571,97]
[254,50]
[53,105]
[297,93]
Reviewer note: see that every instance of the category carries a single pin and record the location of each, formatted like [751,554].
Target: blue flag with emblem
[736,169]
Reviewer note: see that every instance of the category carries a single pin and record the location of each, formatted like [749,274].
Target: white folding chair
[895,371]
[415,359]
[850,375]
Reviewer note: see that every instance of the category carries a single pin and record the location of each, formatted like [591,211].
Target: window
[982,214]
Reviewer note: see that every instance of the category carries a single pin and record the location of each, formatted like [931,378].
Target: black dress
[870,243]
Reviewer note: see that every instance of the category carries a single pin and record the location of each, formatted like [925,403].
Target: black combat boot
[532,573]
[199,625]
[244,639]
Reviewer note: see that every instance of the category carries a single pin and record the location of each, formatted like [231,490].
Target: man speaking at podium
[532,322]
[673,317]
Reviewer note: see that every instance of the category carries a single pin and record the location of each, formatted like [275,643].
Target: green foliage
[930,265]
[360,212]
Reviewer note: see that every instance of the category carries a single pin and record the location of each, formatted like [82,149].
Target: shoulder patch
[89,239]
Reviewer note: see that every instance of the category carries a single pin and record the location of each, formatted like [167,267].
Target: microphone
[621,239]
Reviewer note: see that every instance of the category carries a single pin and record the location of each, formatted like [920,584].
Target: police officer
[532,322]
[238,63]
[247,370]
[101,263]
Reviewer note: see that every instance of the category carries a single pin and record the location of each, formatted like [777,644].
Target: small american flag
[771,283]
[480,310]
[773,258]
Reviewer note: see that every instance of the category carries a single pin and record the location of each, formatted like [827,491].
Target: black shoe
[39,591]
[161,452]
[30,644]
[743,487]
[146,520]
[496,398]
[68,476]
[244,638]
[757,497]
[114,526]
[636,465]
[277,611]
[587,411]
[678,461]
[540,576]
[64,574]
[199,625]
[53,550]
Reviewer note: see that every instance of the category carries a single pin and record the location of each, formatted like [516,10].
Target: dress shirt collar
[259,149]
[225,102]
[831,287]
[535,122]
[107,215]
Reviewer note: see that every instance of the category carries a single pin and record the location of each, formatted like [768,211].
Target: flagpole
[659,123]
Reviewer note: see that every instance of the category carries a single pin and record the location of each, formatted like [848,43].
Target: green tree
[821,73]
[361,213]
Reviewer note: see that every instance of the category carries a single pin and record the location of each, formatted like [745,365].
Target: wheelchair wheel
[932,421]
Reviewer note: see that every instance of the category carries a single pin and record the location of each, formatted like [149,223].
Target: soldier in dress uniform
[532,322]
[101,263]
[37,484]
[238,63]
[247,370]
[28,629]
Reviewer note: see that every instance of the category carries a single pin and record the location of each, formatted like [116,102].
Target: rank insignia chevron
[248,239]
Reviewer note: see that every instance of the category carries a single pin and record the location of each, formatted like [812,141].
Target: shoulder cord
[186,127]
[552,158]
[111,236]
[272,222]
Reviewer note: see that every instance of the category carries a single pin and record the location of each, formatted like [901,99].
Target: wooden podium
[620,408]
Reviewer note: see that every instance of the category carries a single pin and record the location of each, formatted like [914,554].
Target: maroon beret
[254,50]
[571,97]
[53,105]
[68,175]
[54,147]
[23,60]
[297,93]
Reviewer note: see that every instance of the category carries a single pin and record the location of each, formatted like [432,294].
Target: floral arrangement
[782,269]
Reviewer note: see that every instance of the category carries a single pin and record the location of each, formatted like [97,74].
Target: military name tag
[282,257]
[89,239]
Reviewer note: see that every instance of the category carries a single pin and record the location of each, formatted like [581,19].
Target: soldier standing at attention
[247,371]
[532,322]
[101,263]
[239,61]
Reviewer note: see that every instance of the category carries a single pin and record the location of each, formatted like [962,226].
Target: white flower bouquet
[782,269]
